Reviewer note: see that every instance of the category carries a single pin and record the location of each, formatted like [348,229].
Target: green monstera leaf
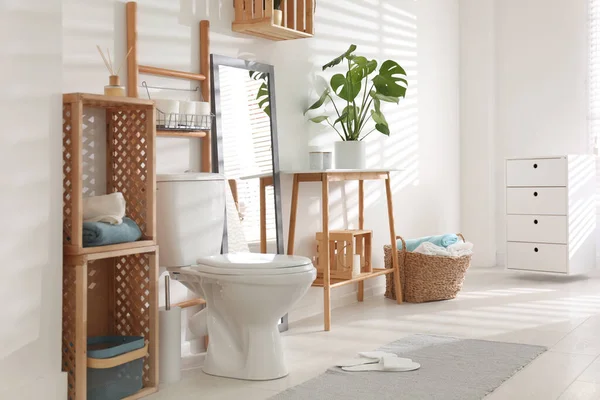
[319,119]
[263,99]
[388,99]
[346,87]
[349,114]
[319,103]
[257,76]
[386,82]
[361,68]
[263,91]
[341,58]
[381,123]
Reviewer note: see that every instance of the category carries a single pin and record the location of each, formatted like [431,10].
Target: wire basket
[183,122]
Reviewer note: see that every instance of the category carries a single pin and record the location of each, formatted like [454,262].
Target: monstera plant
[263,91]
[357,96]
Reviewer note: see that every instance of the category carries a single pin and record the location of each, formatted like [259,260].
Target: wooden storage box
[343,245]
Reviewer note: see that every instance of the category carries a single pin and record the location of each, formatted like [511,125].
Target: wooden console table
[338,176]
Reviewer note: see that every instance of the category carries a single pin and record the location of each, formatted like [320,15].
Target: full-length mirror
[245,151]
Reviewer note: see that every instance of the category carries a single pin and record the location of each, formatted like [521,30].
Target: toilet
[246,293]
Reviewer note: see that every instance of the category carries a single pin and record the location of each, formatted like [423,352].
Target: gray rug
[461,369]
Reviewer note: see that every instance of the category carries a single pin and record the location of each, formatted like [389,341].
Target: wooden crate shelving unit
[110,290]
[343,245]
[255,17]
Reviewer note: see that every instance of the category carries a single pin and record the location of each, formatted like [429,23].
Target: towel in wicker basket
[426,278]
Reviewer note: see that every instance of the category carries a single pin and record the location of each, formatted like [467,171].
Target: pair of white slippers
[379,361]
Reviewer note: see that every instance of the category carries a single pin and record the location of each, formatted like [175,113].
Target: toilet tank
[190,217]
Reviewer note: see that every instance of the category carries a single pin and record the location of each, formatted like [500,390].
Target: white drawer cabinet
[538,257]
[537,228]
[551,214]
[537,172]
[536,200]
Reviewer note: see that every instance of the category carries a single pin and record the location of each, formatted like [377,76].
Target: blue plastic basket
[115,366]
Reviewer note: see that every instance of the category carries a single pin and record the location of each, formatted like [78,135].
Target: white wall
[31,200]
[541,53]
[523,93]
[422,36]
[477,118]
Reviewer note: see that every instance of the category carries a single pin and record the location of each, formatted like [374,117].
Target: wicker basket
[426,278]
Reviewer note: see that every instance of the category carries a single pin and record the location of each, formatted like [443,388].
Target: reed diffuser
[114,87]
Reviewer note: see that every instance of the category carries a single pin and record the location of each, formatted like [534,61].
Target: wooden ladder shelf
[134,69]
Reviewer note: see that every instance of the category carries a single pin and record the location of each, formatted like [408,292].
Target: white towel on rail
[108,208]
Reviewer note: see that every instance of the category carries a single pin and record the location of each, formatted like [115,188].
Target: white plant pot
[350,155]
[277,17]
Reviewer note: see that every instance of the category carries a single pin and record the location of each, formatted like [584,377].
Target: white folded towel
[455,250]
[109,208]
[431,249]
[460,249]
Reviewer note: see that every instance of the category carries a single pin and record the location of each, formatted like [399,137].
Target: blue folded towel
[442,241]
[102,234]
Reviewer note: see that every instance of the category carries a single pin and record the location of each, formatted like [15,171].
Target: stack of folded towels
[104,221]
[449,245]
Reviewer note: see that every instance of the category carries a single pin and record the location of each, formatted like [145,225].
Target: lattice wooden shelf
[108,297]
[130,153]
[110,290]
[258,18]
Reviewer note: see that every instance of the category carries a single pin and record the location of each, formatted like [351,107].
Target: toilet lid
[253,264]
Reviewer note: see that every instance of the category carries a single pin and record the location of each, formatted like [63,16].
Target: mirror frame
[217,61]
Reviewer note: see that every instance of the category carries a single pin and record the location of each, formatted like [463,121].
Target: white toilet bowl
[246,296]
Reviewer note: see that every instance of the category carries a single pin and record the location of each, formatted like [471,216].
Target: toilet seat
[253,264]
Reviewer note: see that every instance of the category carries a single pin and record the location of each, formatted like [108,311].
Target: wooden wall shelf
[256,18]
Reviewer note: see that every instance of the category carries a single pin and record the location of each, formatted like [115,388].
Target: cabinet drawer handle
[536,250]
[535,221]
[535,166]
[535,194]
